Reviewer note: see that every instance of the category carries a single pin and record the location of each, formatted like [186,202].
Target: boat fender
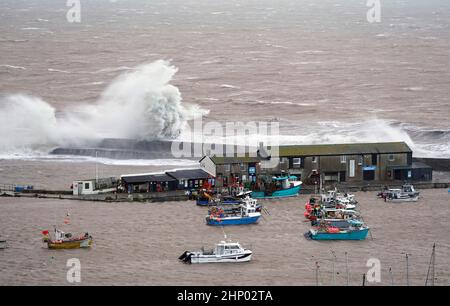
[333,230]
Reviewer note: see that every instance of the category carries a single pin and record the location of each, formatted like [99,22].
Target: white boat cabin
[228,248]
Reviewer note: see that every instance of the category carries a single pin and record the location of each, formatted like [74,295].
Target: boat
[3,244]
[62,240]
[207,199]
[339,223]
[356,231]
[224,251]
[338,217]
[397,195]
[280,187]
[246,213]
[334,199]
[407,190]
[315,211]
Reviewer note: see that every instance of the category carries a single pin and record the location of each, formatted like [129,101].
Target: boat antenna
[224,234]
[430,273]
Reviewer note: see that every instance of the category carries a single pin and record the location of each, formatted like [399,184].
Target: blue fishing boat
[356,231]
[339,223]
[245,214]
[281,187]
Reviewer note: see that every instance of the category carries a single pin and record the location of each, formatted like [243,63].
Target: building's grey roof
[344,149]
[187,174]
[146,178]
[415,165]
[323,150]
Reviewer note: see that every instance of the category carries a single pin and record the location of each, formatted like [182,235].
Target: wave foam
[140,104]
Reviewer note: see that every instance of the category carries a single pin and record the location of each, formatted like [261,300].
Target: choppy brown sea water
[138,243]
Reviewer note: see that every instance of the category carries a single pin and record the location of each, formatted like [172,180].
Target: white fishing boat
[338,200]
[397,195]
[405,192]
[225,251]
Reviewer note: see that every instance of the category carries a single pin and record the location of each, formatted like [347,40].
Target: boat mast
[407,269]
[317,273]
[346,268]
[96,168]
[392,276]
[334,268]
[430,273]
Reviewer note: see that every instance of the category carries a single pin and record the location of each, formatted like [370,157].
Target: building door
[351,168]
[368,175]
[342,175]
[80,187]
[398,175]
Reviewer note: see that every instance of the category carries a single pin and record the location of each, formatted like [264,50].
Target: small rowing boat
[62,240]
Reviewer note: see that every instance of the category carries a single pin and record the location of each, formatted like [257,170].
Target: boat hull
[76,244]
[223,259]
[290,192]
[409,199]
[343,235]
[231,220]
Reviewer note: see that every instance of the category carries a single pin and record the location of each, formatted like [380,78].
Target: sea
[74,73]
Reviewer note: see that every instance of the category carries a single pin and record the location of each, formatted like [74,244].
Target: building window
[314,159]
[284,160]
[296,163]
[242,165]
[227,167]
[374,159]
[361,160]
[391,157]
[343,159]
[86,185]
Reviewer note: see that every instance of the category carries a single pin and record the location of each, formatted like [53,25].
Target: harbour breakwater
[141,149]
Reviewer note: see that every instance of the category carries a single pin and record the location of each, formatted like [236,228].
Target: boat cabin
[228,248]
